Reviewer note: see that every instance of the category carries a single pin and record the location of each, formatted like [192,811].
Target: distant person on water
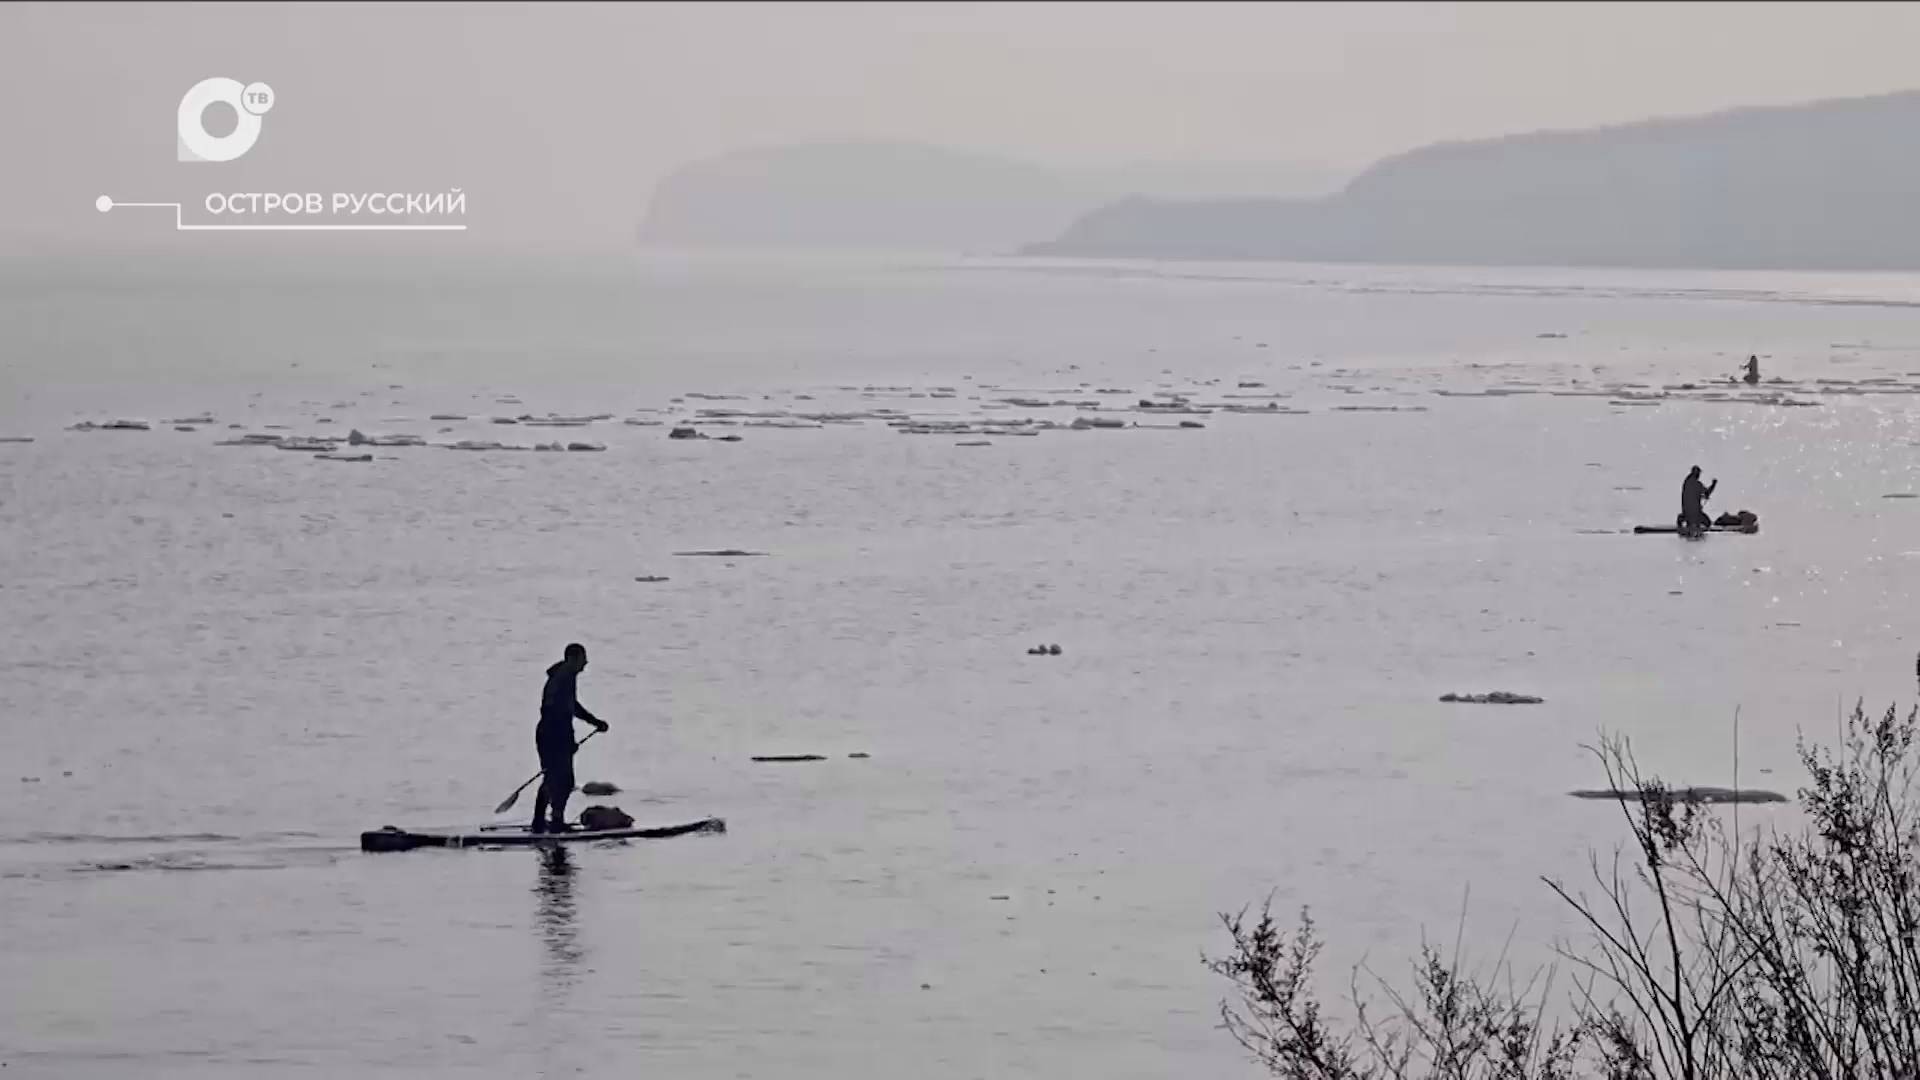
[1693,494]
[553,737]
[1753,371]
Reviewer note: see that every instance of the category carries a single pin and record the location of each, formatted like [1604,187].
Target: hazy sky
[556,119]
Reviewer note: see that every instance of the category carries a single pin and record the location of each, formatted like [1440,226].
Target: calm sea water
[219,664]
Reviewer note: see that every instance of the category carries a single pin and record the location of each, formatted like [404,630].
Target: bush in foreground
[1775,955]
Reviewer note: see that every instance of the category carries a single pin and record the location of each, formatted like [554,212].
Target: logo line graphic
[269,210]
[104,204]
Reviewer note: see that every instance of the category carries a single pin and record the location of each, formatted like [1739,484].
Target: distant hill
[1828,185]
[893,195]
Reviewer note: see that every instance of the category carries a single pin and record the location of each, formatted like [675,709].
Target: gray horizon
[558,120]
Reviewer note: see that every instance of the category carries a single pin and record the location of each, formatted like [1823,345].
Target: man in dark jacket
[553,737]
[1693,515]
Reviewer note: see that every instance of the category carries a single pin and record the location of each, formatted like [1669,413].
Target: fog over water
[292,524]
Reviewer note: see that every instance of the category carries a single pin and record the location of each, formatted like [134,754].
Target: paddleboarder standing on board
[1693,516]
[553,737]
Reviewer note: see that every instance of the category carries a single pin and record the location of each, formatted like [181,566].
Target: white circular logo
[249,103]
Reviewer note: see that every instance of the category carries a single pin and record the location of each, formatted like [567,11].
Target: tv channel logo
[249,104]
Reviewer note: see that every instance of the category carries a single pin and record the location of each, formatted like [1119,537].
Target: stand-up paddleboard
[392,839]
[1669,530]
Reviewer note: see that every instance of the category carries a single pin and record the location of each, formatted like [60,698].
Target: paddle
[515,797]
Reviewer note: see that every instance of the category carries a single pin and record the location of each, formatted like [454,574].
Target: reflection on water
[1303,620]
[558,927]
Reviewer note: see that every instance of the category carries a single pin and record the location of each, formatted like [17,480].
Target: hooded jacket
[559,705]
